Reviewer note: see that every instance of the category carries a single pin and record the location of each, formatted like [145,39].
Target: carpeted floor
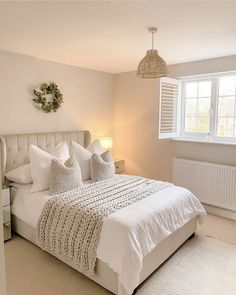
[202,266]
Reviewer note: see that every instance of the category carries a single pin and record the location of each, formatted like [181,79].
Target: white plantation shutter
[169,108]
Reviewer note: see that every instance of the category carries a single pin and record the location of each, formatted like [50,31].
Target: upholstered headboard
[14,149]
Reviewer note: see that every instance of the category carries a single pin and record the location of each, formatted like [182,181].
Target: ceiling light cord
[152,30]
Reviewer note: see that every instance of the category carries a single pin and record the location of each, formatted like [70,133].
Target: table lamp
[107,143]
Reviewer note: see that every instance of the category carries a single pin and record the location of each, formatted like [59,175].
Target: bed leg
[192,236]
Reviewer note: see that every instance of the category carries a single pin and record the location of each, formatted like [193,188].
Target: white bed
[144,233]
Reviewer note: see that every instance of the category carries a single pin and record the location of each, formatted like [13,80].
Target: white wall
[136,124]
[87,96]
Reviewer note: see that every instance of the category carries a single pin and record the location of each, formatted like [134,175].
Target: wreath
[42,94]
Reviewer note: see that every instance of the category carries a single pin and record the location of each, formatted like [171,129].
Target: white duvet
[129,234]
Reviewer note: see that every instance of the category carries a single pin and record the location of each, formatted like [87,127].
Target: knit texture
[70,223]
[102,166]
[64,177]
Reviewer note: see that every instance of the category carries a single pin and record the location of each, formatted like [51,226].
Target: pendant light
[152,65]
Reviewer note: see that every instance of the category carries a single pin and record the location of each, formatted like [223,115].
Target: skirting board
[220,211]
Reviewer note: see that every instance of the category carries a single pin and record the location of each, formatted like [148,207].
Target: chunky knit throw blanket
[70,223]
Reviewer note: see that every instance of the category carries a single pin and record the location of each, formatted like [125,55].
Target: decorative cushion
[41,162]
[84,155]
[64,176]
[102,166]
[21,174]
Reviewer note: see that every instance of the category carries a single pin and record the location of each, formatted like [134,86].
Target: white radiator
[212,184]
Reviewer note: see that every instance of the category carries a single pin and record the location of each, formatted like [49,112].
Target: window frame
[212,135]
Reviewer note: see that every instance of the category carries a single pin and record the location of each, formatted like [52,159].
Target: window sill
[194,140]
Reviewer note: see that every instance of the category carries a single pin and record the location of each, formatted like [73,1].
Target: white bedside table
[119,166]
[6,207]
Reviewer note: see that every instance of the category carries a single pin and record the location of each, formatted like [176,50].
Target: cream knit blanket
[70,223]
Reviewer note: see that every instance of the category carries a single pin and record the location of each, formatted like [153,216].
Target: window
[199,107]
[226,110]
[197,104]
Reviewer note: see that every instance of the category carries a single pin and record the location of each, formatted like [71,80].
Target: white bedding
[129,234]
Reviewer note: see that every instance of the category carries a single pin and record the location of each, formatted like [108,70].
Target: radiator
[212,184]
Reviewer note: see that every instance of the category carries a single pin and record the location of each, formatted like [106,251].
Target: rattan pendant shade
[152,65]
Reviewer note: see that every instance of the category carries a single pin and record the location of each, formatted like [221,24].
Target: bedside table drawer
[5,197]
[6,214]
[119,166]
[7,231]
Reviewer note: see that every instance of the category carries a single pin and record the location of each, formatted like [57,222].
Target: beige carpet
[219,227]
[202,266]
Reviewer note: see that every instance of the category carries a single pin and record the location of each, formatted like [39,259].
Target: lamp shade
[106,142]
[152,66]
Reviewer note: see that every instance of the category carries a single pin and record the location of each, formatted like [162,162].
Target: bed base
[14,151]
[192,236]
[104,275]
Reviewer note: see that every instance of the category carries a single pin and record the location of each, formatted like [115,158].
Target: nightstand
[6,207]
[119,166]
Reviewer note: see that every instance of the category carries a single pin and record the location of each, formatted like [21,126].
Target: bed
[146,233]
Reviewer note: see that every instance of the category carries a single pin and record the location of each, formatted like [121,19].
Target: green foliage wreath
[41,97]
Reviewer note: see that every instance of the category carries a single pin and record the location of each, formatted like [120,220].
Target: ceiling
[112,37]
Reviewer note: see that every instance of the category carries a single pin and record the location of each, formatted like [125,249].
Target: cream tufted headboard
[14,149]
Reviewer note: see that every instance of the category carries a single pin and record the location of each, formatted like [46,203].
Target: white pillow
[95,147]
[84,155]
[21,174]
[41,162]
